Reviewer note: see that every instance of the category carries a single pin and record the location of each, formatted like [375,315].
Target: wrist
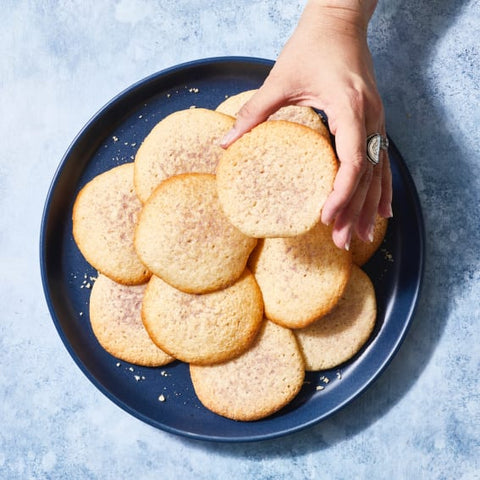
[354,14]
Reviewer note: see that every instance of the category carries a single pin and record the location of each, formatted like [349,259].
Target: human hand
[327,65]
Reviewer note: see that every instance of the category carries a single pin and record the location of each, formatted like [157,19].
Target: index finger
[265,101]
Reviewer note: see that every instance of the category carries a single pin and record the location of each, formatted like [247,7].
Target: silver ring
[375,143]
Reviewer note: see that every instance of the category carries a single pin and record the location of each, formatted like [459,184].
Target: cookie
[256,384]
[301,278]
[104,216]
[203,329]
[274,180]
[338,336]
[116,320]
[363,251]
[293,113]
[183,236]
[183,142]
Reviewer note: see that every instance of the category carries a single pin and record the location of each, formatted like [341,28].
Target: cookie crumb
[319,387]
[86,283]
[115,139]
[161,398]
[387,255]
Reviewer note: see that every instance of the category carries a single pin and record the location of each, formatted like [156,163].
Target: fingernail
[389,211]
[371,232]
[228,138]
[347,243]
[326,219]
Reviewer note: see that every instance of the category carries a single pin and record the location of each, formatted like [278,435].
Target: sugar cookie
[274,180]
[115,316]
[104,216]
[203,329]
[256,384]
[363,251]
[183,236]
[293,113]
[183,142]
[301,278]
[338,336]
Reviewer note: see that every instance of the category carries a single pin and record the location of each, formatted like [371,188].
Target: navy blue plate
[164,397]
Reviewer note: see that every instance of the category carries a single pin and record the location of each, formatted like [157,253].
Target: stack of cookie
[217,258]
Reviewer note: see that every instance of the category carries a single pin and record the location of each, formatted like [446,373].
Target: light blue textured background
[61,61]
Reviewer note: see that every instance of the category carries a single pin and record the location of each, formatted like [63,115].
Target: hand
[327,65]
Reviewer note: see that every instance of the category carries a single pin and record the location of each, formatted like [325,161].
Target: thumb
[261,105]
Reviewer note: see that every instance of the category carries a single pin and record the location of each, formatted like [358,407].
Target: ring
[375,143]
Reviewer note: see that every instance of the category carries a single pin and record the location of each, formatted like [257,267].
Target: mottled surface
[61,62]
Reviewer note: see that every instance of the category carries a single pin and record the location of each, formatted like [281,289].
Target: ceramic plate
[111,138]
